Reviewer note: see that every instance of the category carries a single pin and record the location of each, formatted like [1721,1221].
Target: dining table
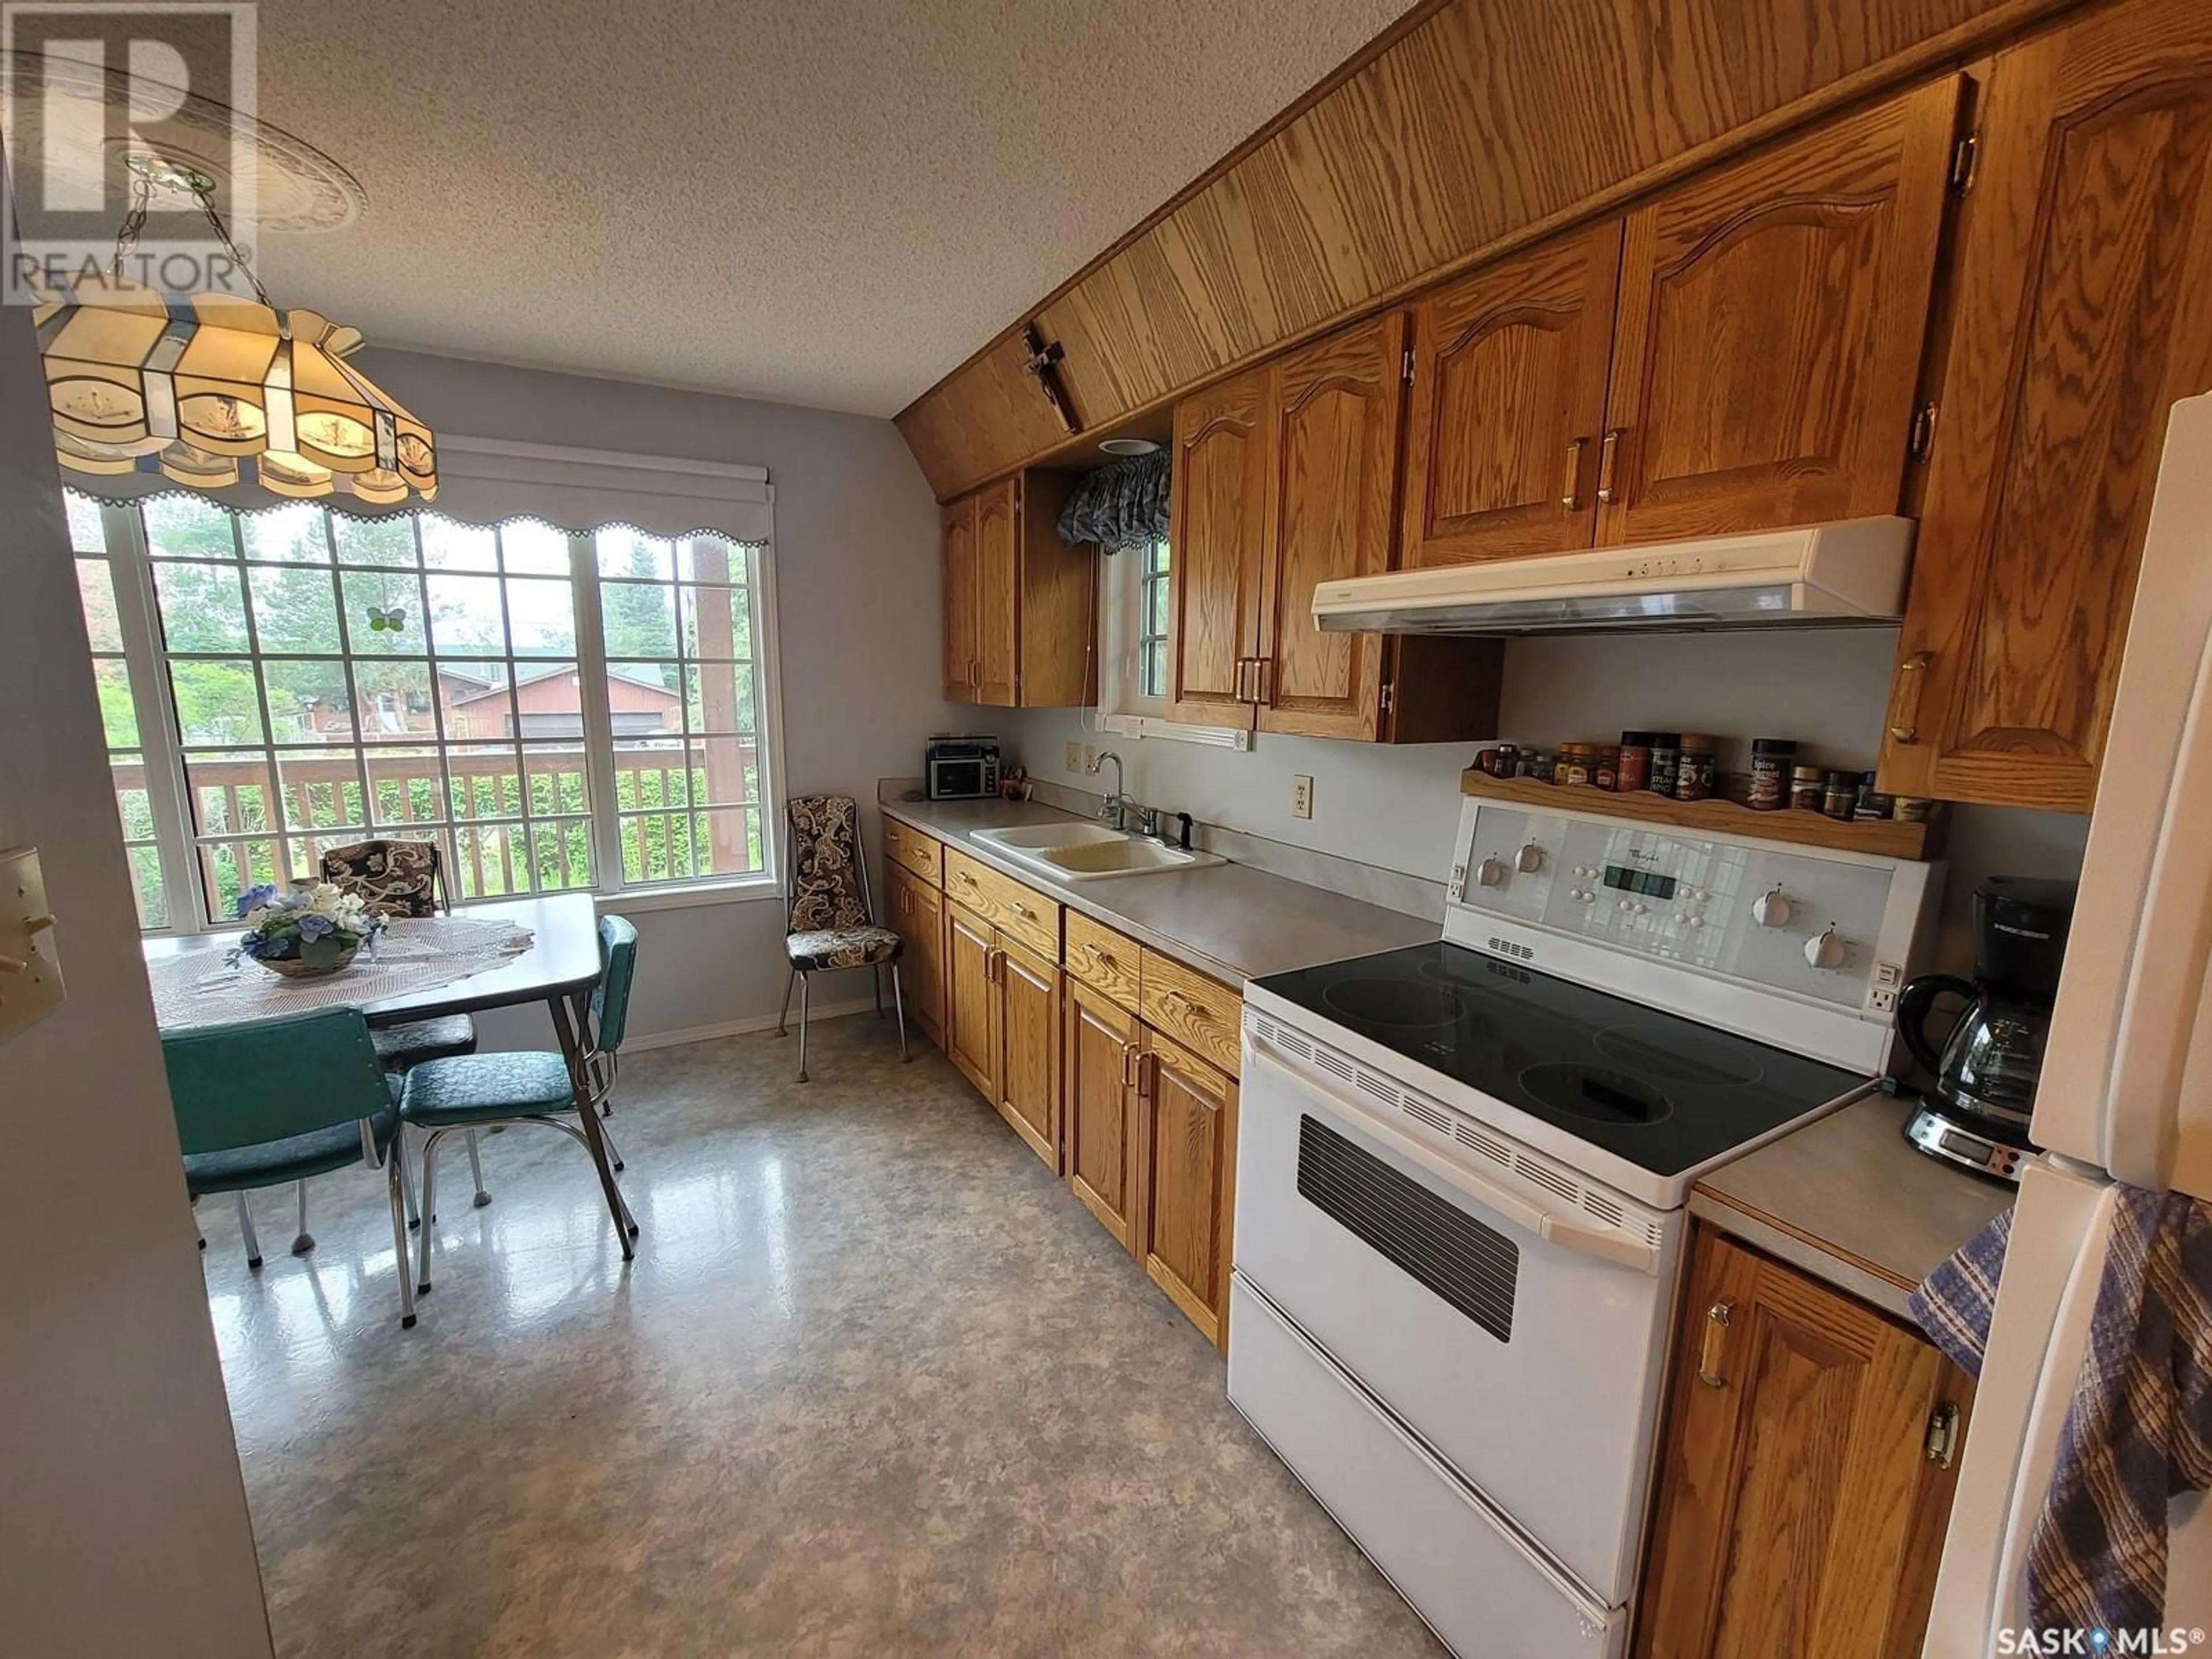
[560,966]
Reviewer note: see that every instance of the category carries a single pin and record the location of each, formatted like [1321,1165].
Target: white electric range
[1461,1170]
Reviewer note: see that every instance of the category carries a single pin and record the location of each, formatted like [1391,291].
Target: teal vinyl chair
[470,1091]
[272,1102]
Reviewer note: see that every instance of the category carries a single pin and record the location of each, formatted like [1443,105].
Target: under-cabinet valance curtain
[1122,506]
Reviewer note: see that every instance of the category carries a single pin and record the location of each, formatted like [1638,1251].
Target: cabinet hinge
[1389,694]
[1964,155]
[1921,441]
[1943,1435]
[1406,365]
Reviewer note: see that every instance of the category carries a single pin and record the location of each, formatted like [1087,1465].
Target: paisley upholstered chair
[832,922]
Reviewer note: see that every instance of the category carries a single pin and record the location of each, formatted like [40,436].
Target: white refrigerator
[2126,1088]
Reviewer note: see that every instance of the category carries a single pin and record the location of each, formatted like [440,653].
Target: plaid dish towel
[2139,1430]
[1954,1304]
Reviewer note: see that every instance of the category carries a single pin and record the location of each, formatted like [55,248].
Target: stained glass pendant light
[202,387]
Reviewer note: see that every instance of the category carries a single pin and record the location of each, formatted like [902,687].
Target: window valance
[1122,507]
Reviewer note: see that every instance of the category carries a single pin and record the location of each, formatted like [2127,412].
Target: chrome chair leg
[406,1177]
[476,1169]
[246,1227]
[395,1181]
[806,984]
[429,1207]
[783,1014]
[898,996]
[613,1156]
[876,974]
[306,1240]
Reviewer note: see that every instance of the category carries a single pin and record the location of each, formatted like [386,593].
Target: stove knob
[1492,874]
[1772,909]
[1693,921]
[1586,896]
[1640,908]
[1530,859]
[1620,904]
[1827,951]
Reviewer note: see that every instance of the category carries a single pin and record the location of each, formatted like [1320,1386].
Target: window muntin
[1152,621]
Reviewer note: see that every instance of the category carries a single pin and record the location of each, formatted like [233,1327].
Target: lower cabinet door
[1102,1047]
[1187,1148]
[1029,1072]
[1800,1510]
[917,911]
[971,999]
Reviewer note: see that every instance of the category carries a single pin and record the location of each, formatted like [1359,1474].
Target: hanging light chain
[205,193]
[134,224]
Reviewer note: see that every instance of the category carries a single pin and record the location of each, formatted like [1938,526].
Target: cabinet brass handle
[1708,1356]
[1573,498]
[1148,1067]
[1263,679]
[1244,679]
[1128,1065]
[1907,727]
[1604,454]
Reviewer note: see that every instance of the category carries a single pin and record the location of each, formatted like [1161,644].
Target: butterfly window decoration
[391,621]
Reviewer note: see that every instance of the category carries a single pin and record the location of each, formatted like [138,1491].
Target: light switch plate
[30,973]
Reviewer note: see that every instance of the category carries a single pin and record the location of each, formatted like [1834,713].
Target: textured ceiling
[828,204]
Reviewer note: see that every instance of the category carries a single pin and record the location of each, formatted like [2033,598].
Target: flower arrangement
[313,929]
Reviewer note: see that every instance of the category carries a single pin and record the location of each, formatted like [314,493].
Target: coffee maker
[1978,1111]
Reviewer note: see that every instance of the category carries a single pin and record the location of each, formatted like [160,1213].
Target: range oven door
[1507,1311]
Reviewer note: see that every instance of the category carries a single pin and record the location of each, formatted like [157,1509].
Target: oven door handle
[1522,1212]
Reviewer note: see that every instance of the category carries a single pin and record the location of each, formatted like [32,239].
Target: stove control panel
[1830,928]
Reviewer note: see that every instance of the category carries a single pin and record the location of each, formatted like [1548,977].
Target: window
[317,679]
[1152,622]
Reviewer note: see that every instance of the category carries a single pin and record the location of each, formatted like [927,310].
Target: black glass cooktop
[1665,1093]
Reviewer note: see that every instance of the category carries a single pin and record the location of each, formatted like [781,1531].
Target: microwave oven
[961,768]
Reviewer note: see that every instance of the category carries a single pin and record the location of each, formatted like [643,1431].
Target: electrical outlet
[1090,758]
[1301,797]
[1883,1001]
[1074,762]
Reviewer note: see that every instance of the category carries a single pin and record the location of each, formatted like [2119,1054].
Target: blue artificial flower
[315,925]
[253,897]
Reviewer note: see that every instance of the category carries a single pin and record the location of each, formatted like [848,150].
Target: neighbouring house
[545,703]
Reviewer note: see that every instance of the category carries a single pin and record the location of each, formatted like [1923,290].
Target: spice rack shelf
[1887,837]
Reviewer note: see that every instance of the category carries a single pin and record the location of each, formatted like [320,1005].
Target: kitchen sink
[1090,852]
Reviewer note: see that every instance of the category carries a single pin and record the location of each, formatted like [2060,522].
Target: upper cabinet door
[1507,405]
[1337,409]
[2084,306]
[998,530]
[957,521]
[1771,318]
[1219,536]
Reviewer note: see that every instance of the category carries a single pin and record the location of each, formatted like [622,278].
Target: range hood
[1826,575]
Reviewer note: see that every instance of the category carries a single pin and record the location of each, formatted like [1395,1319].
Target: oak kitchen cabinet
[2083,299]
[1807,1474]
[1104,1043]
[1285,476]
[1020,605]
[1186,1145]
[917,915]
[1004,1025]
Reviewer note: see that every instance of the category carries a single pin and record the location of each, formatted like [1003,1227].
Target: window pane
[1156,608]
[561,855]
[450,546]
[231,793]
[641,698]
[723,771]
[320,791]
[477,699]
[87,532]
[384,614]
[493,860]
[96,587]
[294,608]
[486,782]
[306,852]
[726,844]
[542,616]
[716,622]
[549,703]
[466,617]
[712,559]
[132,807]
[720,696]
[653,774]
[202,607]
[218,703]
[556,775]
[293,534]
[534,550]
[119,715]
[387,542]
[309,702]
[393,700]
[657,846]
[229,868]
[623,551]
[186,527]
[1156,669]
[146,883]
[637,619]
[406,785]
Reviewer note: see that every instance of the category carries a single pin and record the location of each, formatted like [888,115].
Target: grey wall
[1397,807]
[122,1522]
[856,574]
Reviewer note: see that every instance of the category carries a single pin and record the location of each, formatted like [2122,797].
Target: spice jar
[1693,770]
[1872,805]
[1912,809]
[1771,763]
[1534,764]
[1634,771]
[1806,788]
[1609,766]
[1839,794]
[1577,763]
[1666,760]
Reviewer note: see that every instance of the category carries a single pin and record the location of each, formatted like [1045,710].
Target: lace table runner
[200,988]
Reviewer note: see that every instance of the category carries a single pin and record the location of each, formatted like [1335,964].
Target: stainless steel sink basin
[1090,852]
